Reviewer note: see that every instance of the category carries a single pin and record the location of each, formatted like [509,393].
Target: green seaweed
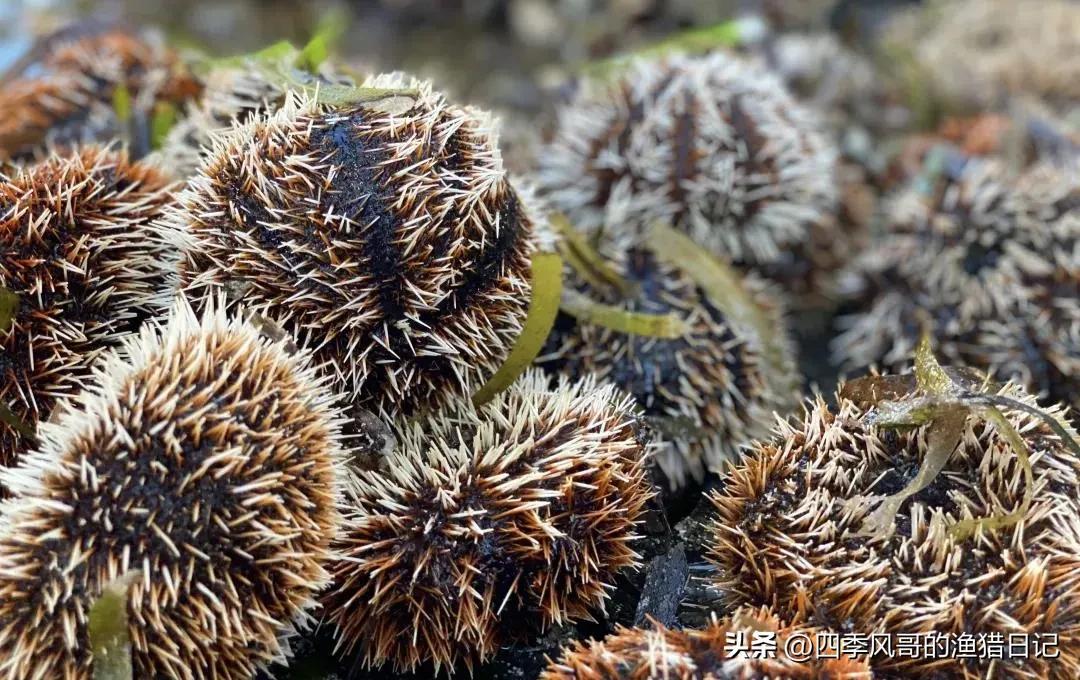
[585,310]
[721,284]
[586,262]
[161,122]
[110,641]
[543,308]
[9,306]
[384,99]
[329,31]
[943,400]
[724,35]
[121,103]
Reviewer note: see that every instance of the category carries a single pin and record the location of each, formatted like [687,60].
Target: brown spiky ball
[77,250]
[385,237]
[206,458]
[709,392]
[714,146]
[714,652]
[789,534]
[69,96]
[992,260]
[486,522]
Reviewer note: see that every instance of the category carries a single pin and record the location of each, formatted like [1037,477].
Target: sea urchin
[207,459]
[712,145]
[389,241]
[710,391]
[77,252]
[488,520]
[792,533]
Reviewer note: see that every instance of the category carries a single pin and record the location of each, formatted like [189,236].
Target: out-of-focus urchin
[77,250]
[388,240]
[207,458]
[843,85]
[69,97]
[994,263]
[790,534]
[720,650]
[492,521]
[708,393]
[1038,342]
[981,53]
[712,145]
[234,92]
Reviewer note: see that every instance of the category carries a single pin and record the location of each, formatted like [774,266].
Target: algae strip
[543,308]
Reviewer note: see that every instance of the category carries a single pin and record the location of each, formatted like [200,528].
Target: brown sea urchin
[790,533]
[207,458]
[388,240]
[77,251]
[721,650]
[712,145]
[70,97]
[490,520]
[708,393]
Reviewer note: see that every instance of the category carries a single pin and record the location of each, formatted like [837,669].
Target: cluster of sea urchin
[790,534]
[710,391]
[488,520]
[712,145]
[749,645]
[388,239]
[70,96]
[991,261]
[77,252]
[208,459]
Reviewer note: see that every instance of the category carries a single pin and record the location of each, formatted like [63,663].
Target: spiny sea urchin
[490,520]
[70,97]
[1038,342]
[388,240]
[712,145]
[77,251]
[714,652]
[208,459]
[991,261]
[709,392]
[791,534]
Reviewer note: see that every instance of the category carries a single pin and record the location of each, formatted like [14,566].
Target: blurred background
[500,53]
